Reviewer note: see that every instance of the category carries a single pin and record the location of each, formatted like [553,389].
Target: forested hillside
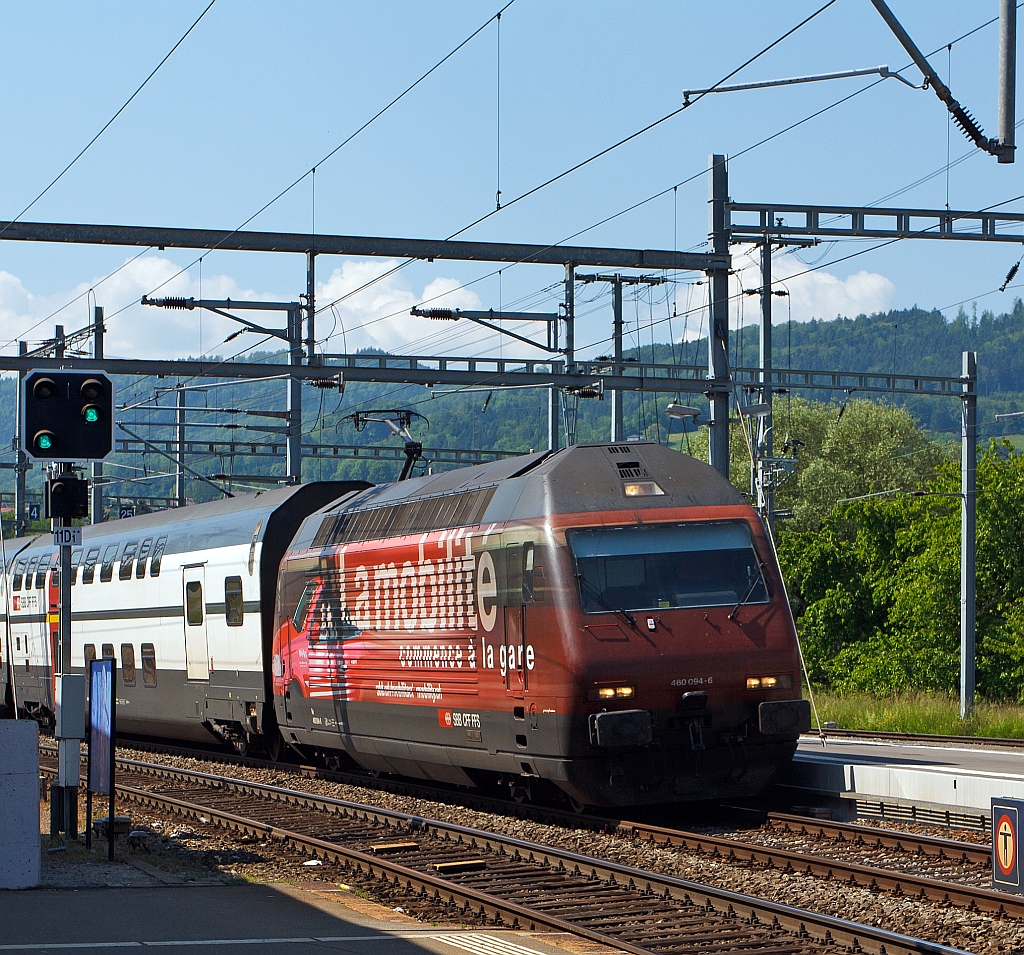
[912,340]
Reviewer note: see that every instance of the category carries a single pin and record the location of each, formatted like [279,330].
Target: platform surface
[256,919]
[958,777]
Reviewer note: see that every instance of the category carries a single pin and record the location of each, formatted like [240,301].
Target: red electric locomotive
[608,618]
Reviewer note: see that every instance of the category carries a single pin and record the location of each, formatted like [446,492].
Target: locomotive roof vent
[619,449]
[631,469]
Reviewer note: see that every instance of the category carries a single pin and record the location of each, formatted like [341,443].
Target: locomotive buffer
[66,417]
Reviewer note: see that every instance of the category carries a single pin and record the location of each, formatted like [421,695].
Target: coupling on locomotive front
[608,618]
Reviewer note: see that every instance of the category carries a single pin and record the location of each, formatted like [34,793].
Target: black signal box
[67,416]
[67,497]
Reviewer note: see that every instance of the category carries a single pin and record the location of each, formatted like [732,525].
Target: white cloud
[817,294]
[377,316]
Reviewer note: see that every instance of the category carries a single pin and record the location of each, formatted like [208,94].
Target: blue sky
[260,91]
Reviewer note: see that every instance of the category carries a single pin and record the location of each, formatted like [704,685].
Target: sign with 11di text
[67,537]
[1007,814]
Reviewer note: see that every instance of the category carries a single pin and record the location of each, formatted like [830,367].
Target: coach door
[197,657]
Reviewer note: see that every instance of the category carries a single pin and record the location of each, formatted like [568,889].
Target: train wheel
[577,806]
[241,746]
[275,747]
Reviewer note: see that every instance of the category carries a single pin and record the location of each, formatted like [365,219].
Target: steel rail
[872,837]
[933,738]
[822,929]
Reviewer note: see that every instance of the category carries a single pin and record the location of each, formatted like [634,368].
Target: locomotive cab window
[233,608]
[140,562]
[107,567]
[194,603]
[89,567]
[127,664]
[661,566]
[148,664]
[158,556]
[124,572]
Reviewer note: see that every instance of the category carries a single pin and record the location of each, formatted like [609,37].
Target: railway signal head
[67,416]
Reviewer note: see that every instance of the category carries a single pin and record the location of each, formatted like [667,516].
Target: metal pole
[766,495]
[20,488]
[311,308]
[96,504]
[570,317]
[718,338]
[293,446]
[1007,76]
[179,454]
[617,353]
[968,492]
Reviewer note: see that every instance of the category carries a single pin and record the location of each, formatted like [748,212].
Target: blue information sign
[1006,817]
[101,724]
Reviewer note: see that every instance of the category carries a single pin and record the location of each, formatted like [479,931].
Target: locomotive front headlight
[783,681]
[600,694]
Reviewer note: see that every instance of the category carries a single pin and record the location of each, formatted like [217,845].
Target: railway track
[507,880]
[928,738]
[955,873]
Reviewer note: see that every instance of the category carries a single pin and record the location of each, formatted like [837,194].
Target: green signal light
[91,414]
[44,441]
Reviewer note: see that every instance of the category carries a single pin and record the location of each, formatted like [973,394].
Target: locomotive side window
[157,558]
[140,563]
[90,655]
[44,563]
[124,572]
[299,617]
[76,560]
[528,580]
[107,567]
[233,608]
[89,567]
[19,570]
[127,664]
[194,603]
[660,566]
[148,664]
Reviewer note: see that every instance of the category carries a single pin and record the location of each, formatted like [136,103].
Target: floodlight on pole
[755,411]
[675,410]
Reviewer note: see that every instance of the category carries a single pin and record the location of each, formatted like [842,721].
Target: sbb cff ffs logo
[67,416]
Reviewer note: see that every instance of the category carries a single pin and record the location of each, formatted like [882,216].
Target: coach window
[108,651]
[127,664]
[148,664]
[127,560]
[158,556]
[90,655]
[89,567]
[76,560]
[140,562]
[19,570]
[30,573]
[194,603]
[44,565]
[107,568]
[233,610]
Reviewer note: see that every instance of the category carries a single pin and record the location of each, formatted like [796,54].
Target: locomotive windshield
[660,566]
